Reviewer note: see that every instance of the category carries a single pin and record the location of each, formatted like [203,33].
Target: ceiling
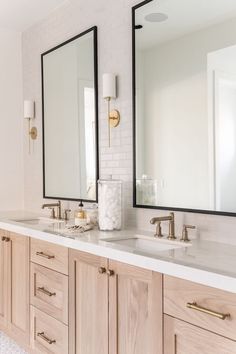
[184,16]
[21,14]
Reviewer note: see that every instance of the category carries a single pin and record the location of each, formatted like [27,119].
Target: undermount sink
[147,244]
[38,221]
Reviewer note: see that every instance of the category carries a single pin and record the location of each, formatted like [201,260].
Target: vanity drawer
[201,305]
[47,334]
[49,255]
[49,292]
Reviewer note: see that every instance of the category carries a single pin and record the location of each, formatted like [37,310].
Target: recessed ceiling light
[156,17]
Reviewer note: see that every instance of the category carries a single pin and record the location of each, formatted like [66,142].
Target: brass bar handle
[45,338]
[46,292]
[195,306]
[110,272]
[101,270]
[44,255]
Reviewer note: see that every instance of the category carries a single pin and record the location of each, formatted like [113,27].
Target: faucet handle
[66,214]
[184,237]
[53,215]
[158,230]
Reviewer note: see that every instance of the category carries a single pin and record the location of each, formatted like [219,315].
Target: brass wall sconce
[29,113]
[109,93]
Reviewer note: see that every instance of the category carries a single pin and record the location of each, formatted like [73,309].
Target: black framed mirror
[70,119]
[184,112]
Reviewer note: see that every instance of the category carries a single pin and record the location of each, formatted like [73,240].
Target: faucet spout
[171,219]
[54,205]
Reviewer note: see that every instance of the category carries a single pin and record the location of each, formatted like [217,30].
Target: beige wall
[11,121]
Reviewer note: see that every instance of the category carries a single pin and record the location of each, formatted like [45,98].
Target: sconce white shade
[28,109]
[109,86]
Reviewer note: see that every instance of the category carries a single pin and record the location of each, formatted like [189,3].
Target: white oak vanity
[65,299]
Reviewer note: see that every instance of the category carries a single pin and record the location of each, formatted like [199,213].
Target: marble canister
[110,205]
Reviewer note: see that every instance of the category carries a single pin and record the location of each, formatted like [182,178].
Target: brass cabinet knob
[102,270]
[110,272]
[7,239]
[3,238]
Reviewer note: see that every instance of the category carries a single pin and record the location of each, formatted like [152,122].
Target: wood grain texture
[88,304]
[3,281]
[60,261]
[135,310]
[52,329]
[54,282]
[18,285]
[178,292]
[183,338]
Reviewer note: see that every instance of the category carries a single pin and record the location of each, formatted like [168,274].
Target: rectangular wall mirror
[70,119]
[184,103]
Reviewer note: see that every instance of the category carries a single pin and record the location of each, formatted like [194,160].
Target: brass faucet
[52,206]
[184,237]
[158,220]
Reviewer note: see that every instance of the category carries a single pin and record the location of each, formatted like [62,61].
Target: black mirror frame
[135,205]
[95,41]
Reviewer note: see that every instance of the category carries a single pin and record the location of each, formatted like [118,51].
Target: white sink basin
[38,221]
[147,244]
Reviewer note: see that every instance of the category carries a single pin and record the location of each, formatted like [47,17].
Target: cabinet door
[183,338]
[88,304]
[135,310]
[18,285]
[3,281]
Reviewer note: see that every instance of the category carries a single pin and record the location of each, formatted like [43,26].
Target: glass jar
[110,205]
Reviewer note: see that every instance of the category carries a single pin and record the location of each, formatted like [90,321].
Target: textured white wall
[11,121]
[113,19]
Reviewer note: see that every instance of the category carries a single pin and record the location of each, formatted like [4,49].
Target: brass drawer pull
[46,339]
[7,239]
[3,238]
[195,306]
[46,292]
[110,272]
[44,255]
[101,270]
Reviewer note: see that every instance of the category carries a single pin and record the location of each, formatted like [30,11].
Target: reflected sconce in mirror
[29,113]
[109,93]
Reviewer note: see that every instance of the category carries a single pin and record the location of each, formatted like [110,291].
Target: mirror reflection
[70,119]
[185,105]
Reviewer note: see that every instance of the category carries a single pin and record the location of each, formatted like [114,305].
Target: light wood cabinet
[183,338]
[48,336]
[135,310]
[18,285]
[14,278]
[114,308]
[88,304]
[3,280]
[180,295]
[49,292]
[49,255]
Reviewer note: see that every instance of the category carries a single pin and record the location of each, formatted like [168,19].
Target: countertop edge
[189,273]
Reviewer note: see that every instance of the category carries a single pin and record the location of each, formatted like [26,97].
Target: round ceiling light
[156,17]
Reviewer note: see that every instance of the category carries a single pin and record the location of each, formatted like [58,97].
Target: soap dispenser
[80,215]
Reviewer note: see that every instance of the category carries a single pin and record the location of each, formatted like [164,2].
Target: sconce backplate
[33,133]
[114,118]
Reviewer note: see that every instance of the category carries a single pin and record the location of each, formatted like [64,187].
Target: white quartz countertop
[208,263]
